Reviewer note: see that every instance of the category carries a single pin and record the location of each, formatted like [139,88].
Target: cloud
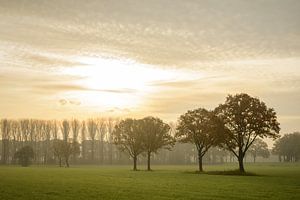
[63,87]
[119,110]
[148,32]
[48,60]
[185,83]
[74,102]
[59,87]
[64,102]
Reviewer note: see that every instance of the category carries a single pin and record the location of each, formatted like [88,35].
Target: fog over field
[71,58]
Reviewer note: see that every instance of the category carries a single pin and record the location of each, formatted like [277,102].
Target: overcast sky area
[73,58]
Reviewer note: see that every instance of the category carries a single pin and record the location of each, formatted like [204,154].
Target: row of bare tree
[43,136]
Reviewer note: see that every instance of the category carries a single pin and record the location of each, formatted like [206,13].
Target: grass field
[272,181]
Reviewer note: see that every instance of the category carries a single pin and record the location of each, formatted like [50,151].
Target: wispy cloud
[73,87]
[64,102]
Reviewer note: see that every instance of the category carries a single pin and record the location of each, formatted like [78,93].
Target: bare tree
[83,138]
[101,127]
[75,124]
[24,124]
[5,129]
[54,130]
[14,134]
[111,123]
[47,127]
[92,130]
[65,130]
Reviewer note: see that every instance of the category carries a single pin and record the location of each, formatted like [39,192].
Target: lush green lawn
[274,181]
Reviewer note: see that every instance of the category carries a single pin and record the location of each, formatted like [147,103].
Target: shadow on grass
[225,173]
[232,173]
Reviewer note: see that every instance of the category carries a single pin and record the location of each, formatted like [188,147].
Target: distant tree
[202,128]
[25,130]
[83,138]
[58,150]
[92,130]
[14,135]
[259,148]
[155,136]
[75,125]
[63,150]
[5,130]
[129,137]
[55,129]
[246,119]
[101,127]
[47,129]
[24,155]
[288,147]
[65,130]
[111,123]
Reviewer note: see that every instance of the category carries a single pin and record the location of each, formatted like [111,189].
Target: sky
[135,58]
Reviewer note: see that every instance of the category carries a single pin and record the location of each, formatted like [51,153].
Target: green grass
[270,181]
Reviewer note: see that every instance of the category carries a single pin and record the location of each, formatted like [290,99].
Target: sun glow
[117,83]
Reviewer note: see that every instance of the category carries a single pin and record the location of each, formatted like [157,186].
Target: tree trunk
[149,160]
[254,159]
[241,164]
[200,161]
[67,162]
[83,150]
[101,153]
[134,163]
[110,153]
[59,161]
[93,150]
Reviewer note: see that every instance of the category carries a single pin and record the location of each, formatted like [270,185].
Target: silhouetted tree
[101,127]
[155,136]
[24,155]
[65,130]
[92,130]
[83,138]
[200,127]
[75,125]
[25,129]
[5,130]
[47,129]
[129,137]
[111,123]
[246,119]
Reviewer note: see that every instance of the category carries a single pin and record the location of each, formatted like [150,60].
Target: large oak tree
[200,127]
[246,118]
[156,135]
[128,136]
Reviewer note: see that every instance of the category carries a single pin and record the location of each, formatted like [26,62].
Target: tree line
[234,126]
[53,140]
[288,148]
